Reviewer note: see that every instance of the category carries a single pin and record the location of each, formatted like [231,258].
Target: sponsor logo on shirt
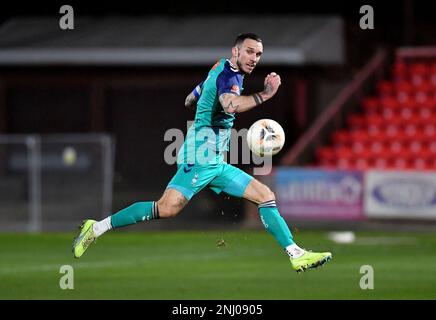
[235,89]
[216,65]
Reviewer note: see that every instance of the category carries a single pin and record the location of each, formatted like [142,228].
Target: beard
[239,64]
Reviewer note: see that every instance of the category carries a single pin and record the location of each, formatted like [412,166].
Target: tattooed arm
[232,103]
[192,98]
[191,101]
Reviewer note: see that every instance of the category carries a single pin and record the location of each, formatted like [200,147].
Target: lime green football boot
[310,260]
[84,239]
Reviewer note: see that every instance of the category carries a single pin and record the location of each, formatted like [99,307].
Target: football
[265,137]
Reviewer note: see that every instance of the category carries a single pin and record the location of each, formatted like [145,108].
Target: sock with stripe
[275,224]
[137,212]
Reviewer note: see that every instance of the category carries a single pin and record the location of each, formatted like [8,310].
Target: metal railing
[51,182]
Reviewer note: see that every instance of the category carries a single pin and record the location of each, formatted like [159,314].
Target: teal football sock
[275,224]
[137,212]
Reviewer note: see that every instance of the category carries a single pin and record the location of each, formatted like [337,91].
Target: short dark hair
[242,36]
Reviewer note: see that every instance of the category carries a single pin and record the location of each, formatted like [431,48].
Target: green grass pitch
[221,265]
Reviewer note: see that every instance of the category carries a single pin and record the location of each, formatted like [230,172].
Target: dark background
[141,103]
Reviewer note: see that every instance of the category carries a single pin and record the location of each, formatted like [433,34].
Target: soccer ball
[265,137]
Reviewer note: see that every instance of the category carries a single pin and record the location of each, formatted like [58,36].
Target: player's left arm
[234,103]
[192,98]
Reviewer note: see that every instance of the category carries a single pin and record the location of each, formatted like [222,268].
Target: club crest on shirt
[235,89]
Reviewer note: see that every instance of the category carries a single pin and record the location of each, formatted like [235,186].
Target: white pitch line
[111,263]
[385,240]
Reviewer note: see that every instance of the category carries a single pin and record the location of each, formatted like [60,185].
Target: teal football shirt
[209,136]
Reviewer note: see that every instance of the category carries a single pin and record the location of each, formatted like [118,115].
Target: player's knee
[267,194]
[167,209]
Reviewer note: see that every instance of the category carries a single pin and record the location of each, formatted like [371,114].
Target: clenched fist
[272,83]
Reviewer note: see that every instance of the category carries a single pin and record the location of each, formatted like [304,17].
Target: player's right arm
[234,103]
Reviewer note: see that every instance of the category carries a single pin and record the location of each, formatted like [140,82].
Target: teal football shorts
[220,177]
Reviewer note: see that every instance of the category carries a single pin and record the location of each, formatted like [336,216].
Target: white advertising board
[400,194]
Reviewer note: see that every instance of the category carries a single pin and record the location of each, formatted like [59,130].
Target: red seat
[344,164]
[329,164]
[428,104]
[420,163]
[432,76]
[417,121]
[424,113]
[419,68]
[432,147]
[396,148]
[425,86]
[404,87]
[375,120]
[432,164]
[415,147]
[399,71]
[344,153]
[418,72]
[396,121]
[370,104]
[390,131]
[408,103]
[406,113]
[361,136]
[423,92]
[397,129]
[420,136]
[325,153]
[356,121]
[389,102]
[405,135]
[389,113]
[362,163]
[385,88]
[341,137]
[401,163]
[429,132]
[377,148]
[380,163]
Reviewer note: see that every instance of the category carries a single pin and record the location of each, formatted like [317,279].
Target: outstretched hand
[272,83]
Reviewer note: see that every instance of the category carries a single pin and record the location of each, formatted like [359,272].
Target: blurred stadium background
[83,115]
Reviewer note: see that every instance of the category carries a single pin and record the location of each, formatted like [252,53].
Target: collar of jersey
[233,67]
